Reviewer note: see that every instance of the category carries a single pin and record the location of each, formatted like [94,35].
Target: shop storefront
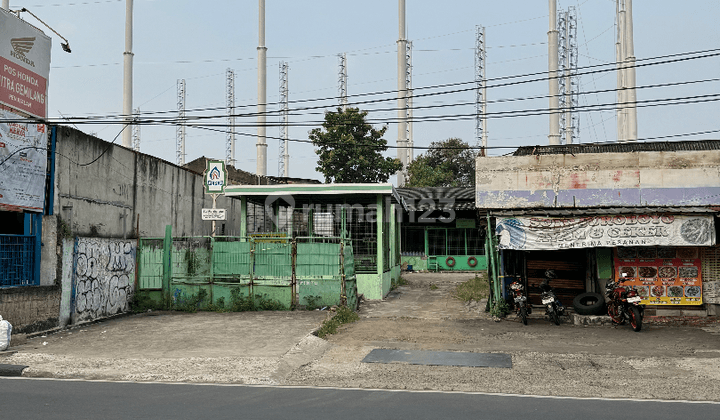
[662,255]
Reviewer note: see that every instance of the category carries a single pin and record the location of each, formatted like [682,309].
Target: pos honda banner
[23,163]
[24,65]
[551,233]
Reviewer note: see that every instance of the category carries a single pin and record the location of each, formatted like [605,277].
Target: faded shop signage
[103,277]
[548,233]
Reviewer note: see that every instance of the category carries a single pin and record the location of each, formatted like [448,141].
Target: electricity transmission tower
[230,136]
[136,130]
[342,81]
[180,130]
[409,103]
[284,156]
[568,79]
[480,90]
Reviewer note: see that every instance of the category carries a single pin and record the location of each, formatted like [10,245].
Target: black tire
[589,304]
[555,317]
[523,314]
[635,318]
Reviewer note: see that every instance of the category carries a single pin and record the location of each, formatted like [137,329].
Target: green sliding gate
[300,271]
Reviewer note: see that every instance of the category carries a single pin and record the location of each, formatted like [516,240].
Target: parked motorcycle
[554,309]
[624,304]
[522,309]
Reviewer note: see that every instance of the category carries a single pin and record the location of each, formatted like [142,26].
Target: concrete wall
[682,178]
[102,188]
[103,278]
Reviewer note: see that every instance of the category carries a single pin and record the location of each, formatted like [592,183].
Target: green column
[393,236]
[379,223]
[167,267]
[243,217]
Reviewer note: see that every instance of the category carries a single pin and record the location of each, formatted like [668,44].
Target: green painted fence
[313,272]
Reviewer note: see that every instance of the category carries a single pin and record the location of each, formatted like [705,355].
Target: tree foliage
[350,150]
[449,163]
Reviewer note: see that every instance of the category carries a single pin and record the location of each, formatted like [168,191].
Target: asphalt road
[23,398]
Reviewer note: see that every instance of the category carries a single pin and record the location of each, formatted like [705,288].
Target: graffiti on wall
[104,277]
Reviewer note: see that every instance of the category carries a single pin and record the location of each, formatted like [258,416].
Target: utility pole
[284,156]
[262,94]
[6,4]
[402,95]
[127,75]
[480,90]
[180,130]
[629,60]
[342,81]
[619,58]
[230,135]
[554,136]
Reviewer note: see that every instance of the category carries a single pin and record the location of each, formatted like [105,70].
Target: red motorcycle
[624,304]
[522,309]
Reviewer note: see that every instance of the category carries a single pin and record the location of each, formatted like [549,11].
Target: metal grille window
[475,241]
[363,234]
[711,264]
[437,239]
[17,260]
[456,241]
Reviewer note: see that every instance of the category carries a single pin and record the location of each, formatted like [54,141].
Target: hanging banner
[662,275]
[23,163]
[24,65]
[548,233]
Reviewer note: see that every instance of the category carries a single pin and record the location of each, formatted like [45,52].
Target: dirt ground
[663,361]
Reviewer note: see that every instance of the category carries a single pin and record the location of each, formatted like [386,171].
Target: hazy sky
[197,41]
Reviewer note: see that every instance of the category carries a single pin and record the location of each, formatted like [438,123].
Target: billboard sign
[24,65]
[548,233]
[23,163]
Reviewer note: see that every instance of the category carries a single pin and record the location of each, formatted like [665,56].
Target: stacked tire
[589,303]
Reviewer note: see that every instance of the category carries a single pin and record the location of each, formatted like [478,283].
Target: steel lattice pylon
[136,130]
[409,103]
[230,136]
[342,80]
[283,156]
[180,130]
[480,90]
[568,80]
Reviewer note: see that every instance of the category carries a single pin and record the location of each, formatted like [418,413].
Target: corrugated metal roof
[435,198]
[573,149]
[604,211]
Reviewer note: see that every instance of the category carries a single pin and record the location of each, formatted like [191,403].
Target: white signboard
[24,65]
[23,163]
[547,233]
[214,214]
[215,177]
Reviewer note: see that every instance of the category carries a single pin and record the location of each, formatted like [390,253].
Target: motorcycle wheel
[635,318]
[523,314]
[555,317]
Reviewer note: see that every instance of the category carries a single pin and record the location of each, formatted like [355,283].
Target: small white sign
[214,214]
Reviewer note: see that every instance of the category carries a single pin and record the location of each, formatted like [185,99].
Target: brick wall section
[30,309]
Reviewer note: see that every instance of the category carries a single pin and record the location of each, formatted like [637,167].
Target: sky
[199,41]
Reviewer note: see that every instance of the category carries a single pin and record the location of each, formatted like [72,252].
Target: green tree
[350,150]
[449,163]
